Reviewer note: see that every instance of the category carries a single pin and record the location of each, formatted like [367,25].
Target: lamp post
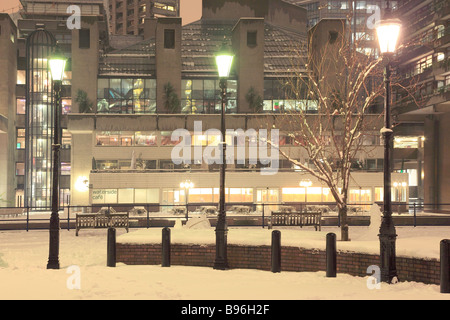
[306,184]
[388,31]
[57,64]
[186,185]
[224,60]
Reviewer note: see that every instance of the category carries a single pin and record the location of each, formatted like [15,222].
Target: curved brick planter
[292,259]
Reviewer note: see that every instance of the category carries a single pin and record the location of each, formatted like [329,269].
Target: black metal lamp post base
[221,261]
[53,259]
[388,238]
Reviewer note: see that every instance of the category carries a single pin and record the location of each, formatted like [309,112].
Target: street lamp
[388,31]
[224,60]
[186,185]
[306,184]
[57,64]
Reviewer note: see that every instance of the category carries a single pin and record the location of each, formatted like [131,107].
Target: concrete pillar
[248,46]
[85,64]
[8,65]
[168,59]
[431,160]
[150,28]
[81,167]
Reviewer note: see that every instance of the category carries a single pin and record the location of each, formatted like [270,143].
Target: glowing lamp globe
[388,32]
[224,60]
[57,64]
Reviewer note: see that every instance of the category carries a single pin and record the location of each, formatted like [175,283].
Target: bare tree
[340,89]
[341,84]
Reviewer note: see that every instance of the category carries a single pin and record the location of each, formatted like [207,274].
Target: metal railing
[148,215]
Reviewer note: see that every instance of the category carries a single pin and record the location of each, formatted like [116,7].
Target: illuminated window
[126,96]
[314,194]
[146,196]
[104,196]
[20,139]
[204,96]
[125,196]
[172,196]
[65,169]
[20,169]
[21,77]
[199,140]
[21,106]
[267,195]
[327,195]
[406,142]
[240,195]
[293,194]
[199,195]
[166,139]
[145,138]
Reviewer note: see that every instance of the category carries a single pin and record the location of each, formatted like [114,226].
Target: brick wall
[292,259]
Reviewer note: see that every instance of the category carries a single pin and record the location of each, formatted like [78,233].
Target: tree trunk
[344,223]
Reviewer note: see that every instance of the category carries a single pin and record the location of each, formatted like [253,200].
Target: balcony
[442,9]
[438,96]
[444,39]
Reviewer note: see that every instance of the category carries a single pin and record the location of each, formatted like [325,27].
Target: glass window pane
[209,89]
[66,106]
[103,86]
[127,87]
[20,168]
[21,77]
[140,195]
[186,89]
[21,103]
[126,196]
[146,139]
[115,89]
[267,106]
[232,89]
[293,194]
[197,89]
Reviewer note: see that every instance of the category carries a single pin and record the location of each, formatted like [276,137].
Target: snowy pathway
[23,258]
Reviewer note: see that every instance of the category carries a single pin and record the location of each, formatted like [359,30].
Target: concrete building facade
[120,150]
[423,64]
[127,17]
[8,63]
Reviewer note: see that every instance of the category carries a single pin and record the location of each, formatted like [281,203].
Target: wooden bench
[308,218]
[11,212]
[101,220]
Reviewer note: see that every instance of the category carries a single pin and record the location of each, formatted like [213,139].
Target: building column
[248,47]
[168,60]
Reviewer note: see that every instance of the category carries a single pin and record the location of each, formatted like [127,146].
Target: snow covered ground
[23,274]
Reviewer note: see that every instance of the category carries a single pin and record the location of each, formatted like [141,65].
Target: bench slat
[101,220]
[301,219]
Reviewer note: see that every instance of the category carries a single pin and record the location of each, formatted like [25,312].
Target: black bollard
[331,256]
[276,251]
[111,250]
[165,247]
[445,266]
